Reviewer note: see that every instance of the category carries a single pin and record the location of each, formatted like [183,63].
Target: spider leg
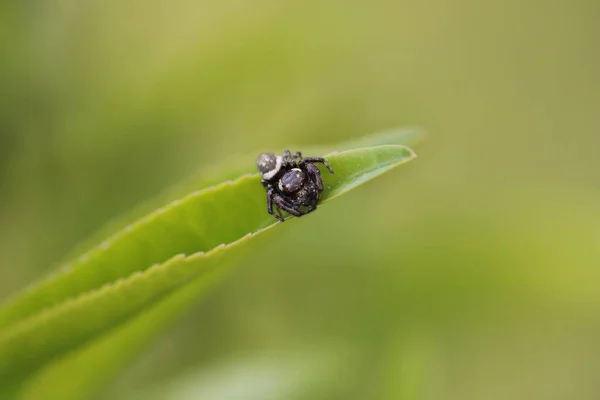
[314,175]
[286,206]
[312,208]
[287,158]
[277,215]
[317,160]
[290,159]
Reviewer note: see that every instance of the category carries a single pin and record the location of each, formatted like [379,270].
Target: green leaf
[139,240]
[78,374]
[232,168]
[144,267]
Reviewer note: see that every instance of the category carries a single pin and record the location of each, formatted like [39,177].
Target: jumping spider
[293,183]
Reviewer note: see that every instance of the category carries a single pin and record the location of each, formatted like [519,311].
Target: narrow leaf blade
[85,307]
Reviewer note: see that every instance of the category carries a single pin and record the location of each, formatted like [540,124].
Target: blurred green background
[471,273]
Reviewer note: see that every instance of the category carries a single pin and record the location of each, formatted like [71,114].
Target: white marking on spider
[269,175]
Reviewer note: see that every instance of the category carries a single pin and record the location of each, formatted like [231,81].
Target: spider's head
[269,165]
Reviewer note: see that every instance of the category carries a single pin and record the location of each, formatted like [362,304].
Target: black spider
[293,183]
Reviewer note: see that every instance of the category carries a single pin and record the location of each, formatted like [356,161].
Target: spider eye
[266,163]
[292,181]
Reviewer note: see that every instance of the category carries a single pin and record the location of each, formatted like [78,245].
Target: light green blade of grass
[150,235]
[233,167]
[198,234]
[80,373]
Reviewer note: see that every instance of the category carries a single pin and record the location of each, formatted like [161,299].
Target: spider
[293,183]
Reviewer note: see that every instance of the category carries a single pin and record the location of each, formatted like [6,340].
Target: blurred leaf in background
[474,275]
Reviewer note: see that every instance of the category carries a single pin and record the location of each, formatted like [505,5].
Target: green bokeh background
[471,273]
